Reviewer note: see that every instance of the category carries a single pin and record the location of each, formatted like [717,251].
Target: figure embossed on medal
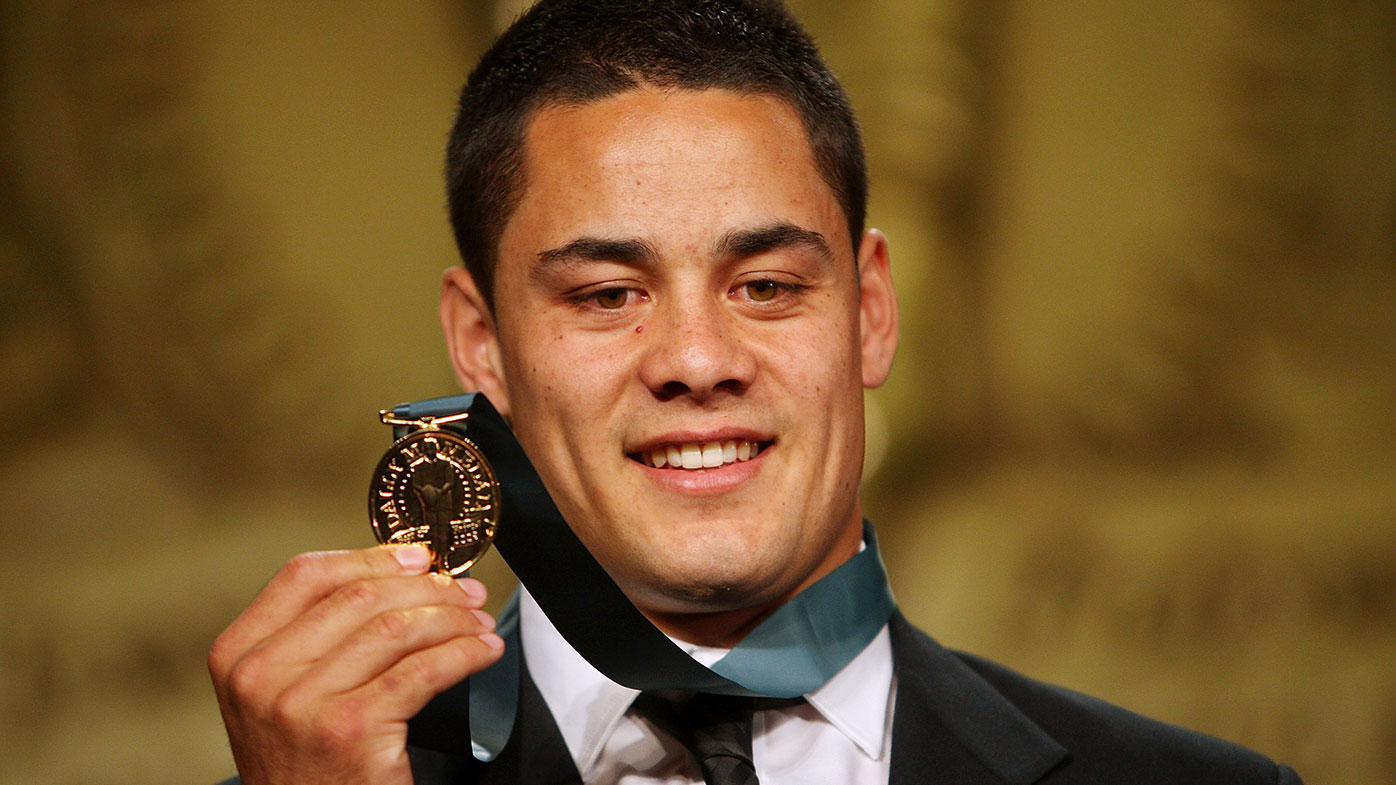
[436,513]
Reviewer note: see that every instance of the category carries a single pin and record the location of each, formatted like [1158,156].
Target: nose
[695,350]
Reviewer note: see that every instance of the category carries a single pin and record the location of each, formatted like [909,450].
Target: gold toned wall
[1139,438]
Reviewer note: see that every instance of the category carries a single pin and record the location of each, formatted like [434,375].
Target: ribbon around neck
[794,651]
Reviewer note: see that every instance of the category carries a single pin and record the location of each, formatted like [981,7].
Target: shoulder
[1109,740]
[1102,742]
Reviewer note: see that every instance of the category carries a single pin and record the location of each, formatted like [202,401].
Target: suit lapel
[536,753]
[951,726]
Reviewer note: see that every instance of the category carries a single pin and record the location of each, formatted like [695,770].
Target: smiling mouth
[696,456]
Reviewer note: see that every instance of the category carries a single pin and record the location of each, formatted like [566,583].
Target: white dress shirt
[842,733]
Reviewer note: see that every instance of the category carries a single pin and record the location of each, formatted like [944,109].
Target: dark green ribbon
[794,651]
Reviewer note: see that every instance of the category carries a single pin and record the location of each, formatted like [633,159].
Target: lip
[705,482]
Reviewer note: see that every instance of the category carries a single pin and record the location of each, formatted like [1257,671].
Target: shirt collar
[588,706]
[858,699]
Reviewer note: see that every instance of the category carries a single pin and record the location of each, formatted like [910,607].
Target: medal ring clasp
[388,417]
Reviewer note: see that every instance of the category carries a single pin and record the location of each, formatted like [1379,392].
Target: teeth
[708,455]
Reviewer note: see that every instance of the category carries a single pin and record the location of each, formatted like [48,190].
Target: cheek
[822,359]
[568,375]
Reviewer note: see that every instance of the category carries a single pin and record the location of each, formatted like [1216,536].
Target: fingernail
[493,641]
[412,557]
[472,587]
[485,619]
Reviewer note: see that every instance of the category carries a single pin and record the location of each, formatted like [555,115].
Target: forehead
[653,163]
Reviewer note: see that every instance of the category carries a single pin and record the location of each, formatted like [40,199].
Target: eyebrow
[595,249]
[743,243]
[738,243]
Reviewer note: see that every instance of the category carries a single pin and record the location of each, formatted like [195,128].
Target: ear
[471,339]
[878,320]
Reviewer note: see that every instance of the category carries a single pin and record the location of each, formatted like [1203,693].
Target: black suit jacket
[959,720]
[962,719]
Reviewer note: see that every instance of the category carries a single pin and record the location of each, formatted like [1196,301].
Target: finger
[405,687]
[386,639]
[300,584]
[324,627]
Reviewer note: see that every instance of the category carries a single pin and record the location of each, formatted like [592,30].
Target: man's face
[678,281]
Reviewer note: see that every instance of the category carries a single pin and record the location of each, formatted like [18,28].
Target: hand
[318,677]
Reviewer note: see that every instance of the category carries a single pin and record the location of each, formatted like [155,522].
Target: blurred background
[1139,439]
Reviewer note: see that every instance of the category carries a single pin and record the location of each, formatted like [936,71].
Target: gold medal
[435,487]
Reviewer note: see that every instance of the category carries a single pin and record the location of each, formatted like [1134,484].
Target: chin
[711,588]
[702,563]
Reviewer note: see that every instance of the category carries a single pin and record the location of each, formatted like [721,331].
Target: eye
[611,299]
[767,293]
[762,291]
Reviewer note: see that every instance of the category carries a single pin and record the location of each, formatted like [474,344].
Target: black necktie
[715,728]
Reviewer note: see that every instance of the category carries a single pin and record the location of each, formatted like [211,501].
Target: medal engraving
[435,487]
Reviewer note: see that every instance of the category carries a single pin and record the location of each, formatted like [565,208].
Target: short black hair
[572,52]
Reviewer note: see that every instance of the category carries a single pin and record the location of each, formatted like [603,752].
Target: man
[669,292]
